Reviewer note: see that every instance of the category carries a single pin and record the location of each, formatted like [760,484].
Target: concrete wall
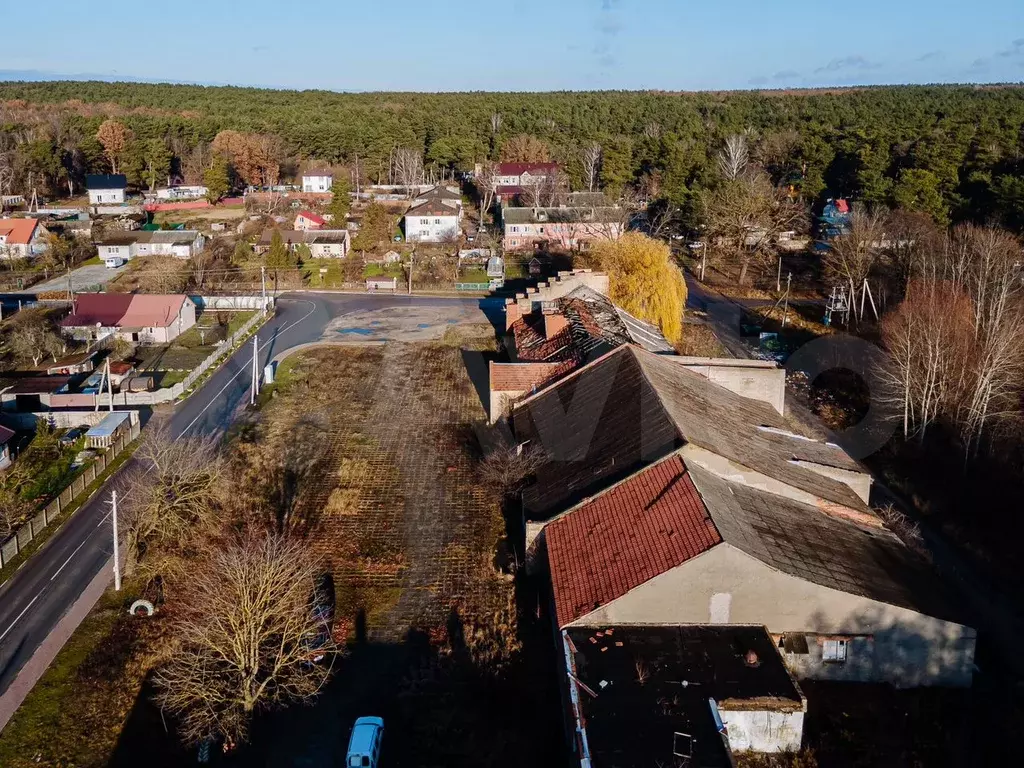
[762,381]
[59,419]
[763,730]
[727,586]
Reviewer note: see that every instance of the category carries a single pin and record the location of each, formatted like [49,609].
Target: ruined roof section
[834,552]
[652,522]
[631,720]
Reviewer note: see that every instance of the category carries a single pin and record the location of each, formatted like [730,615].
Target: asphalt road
[42,591]
[82,279]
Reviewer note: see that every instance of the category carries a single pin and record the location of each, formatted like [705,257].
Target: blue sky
[521,44]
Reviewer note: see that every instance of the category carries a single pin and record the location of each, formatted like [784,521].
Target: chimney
[512,313]
[554,323]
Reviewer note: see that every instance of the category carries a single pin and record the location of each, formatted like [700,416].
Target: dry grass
[700,341]
[152,274]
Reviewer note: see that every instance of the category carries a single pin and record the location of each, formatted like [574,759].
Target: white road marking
[212,401]
[243,370]
[68,560]
[13,623]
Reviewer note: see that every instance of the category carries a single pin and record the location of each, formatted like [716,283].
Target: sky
[520,45]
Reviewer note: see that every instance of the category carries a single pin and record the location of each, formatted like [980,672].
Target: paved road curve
[43,590]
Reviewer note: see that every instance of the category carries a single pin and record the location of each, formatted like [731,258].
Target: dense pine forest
[955,153]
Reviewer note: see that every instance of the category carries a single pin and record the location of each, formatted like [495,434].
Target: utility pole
[703,260]
[263,284]
[785,311]
[411,257]
[117,555]
[110,387]
[71,295]
[252,396]
[778,277]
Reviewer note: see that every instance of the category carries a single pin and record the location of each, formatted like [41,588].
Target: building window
[834,651]
[437,221]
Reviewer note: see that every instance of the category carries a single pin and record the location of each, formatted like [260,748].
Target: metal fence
[24,535]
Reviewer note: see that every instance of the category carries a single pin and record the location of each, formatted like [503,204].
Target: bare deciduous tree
[591,158]
[486,183]
[734,157]
[173,495]
[743,219]
[507,467]
[245,636]
[33,337]
[407,168]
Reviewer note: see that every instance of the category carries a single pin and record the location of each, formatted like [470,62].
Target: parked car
[364,743]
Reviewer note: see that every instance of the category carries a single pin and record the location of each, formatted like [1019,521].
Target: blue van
[364,743]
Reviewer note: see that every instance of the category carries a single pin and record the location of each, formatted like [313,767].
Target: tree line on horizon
[955,153]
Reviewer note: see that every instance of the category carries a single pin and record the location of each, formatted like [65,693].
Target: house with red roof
[137,317]
[22,238]
[308,221]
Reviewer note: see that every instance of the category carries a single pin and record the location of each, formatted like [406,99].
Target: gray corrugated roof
[810,544]
[603,215]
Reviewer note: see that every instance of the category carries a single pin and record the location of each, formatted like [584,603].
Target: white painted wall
[106,196]
[317,183]
[763,730]
[888,644]
[430,229]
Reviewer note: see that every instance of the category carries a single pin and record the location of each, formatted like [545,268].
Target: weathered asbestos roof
[824,549]
[560,215]
[649,524]
[440,193]
[639,702]
[632,407]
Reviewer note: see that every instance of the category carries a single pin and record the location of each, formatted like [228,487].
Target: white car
[364,743]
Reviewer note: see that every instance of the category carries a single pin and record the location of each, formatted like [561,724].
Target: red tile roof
[18,231]
[532,345]
[315,218]
[125,310]
[647,525]
[524,377]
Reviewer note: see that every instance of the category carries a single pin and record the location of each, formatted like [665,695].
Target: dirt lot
[396,513]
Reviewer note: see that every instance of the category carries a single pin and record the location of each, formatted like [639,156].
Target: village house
[560,227]
[664,498]
[513,179]
[434,221]
[317,180]
[107,188]
[182,192]
[22,238]
[322,243]
[307,220]
[137,317]
[119,247]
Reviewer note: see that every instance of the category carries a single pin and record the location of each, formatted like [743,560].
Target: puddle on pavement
[357,331]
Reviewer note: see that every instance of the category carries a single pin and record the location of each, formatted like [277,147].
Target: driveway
[88,279]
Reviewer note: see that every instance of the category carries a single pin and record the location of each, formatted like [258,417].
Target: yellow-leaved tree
[645,281]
